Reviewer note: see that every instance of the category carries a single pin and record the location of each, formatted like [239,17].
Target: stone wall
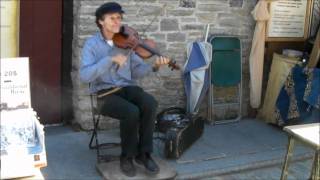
[179,22]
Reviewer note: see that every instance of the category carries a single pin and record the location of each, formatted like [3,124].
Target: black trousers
[136,111]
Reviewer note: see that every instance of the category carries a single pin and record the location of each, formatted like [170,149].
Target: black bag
[180,130]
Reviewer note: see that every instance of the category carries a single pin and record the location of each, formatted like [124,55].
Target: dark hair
[110,7]
[102,18]
[97,21]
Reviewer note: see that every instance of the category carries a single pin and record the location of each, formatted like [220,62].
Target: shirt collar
[102,38]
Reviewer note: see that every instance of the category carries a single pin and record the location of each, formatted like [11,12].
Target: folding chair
[225,71]
[94,141]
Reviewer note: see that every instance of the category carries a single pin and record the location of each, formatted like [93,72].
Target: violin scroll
[173,65]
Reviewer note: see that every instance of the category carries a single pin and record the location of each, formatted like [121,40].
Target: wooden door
[41,41]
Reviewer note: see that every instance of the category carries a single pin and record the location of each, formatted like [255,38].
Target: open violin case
[183,126]
[180,130]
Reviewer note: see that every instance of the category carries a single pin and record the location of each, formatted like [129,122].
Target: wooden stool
[111,170]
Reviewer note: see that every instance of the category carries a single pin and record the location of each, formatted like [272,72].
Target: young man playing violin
[112,73]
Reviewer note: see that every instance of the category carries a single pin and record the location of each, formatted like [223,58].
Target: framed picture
[289,20]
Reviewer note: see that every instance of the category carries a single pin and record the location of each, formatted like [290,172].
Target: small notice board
[289,20]
[15,84]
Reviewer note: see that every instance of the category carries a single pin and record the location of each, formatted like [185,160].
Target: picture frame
[289,20]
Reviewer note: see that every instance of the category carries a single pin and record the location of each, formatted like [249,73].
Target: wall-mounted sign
[15,84]
[289,20]
[9,28]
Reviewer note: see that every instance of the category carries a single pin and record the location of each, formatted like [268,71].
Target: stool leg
[284,174]
[96,138]
[94,133]
[93,136]
[315,173]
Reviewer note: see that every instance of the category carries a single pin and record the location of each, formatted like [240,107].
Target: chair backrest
[226,61]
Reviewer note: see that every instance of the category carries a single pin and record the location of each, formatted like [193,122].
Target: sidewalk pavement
[223,149]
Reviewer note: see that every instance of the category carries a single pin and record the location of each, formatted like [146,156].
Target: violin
[145,48]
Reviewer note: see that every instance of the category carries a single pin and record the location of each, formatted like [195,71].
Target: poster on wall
[9,28]
[289,20]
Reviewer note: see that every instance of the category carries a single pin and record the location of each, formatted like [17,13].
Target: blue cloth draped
[290,102]
[312,93]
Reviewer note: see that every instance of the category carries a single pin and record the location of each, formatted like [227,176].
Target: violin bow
[148,26]
[153,19]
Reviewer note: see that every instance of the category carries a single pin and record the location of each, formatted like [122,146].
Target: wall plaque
[289,20]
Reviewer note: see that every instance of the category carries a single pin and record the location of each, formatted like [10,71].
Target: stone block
[176,37]
[190,27]
[236,3]
[170,3]
[169,25]
[130,10]
[230,23]
[87,19]
[222,15]
[142,27]
[179,12]
[161,46]
[150,11]
[213,7]
[88,10]
[206,17]
[158,36]
[192,36]
[187,3]
[129,19]
[188,20]
[178,46]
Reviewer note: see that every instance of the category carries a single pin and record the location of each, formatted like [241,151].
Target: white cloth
[261,15]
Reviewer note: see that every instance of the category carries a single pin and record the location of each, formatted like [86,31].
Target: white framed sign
[289,20]
[22,135]
[15,84]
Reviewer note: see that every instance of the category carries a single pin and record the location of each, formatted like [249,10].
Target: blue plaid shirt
[98,69]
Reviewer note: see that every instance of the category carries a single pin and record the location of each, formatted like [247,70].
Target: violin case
[183,127]
[180,130]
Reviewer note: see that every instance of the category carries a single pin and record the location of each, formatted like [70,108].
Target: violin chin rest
[123,31]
